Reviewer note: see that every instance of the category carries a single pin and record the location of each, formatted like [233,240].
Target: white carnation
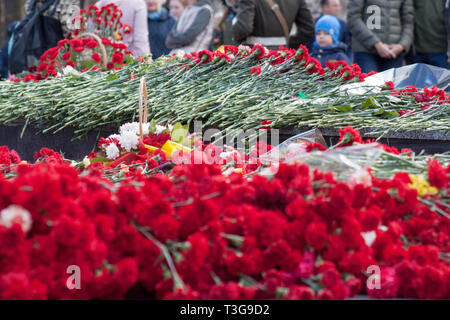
[160,129]
[129,140]
[130,126]
[112,152]
[180,54]
[369,237]
[110,138]
[134,127]
[16,214]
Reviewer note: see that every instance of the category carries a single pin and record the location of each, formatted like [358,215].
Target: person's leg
[386,64]
[366,61]
[438,59]
[413,59]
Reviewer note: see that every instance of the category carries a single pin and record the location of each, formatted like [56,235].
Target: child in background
[177,7]
[327,46]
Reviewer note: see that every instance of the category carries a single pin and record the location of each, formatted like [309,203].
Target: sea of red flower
[198,234]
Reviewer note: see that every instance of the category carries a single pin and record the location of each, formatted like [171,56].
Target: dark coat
[396,23]
[158,30]
[256,18]
[337,52]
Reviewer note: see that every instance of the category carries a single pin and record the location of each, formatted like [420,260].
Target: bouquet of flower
[96,45]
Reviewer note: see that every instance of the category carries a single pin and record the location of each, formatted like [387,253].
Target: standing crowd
[376,34]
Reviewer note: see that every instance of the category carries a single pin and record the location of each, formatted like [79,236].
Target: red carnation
[348,136]
[437,175]
[117,58]
[256,70]
[385,285]
[300,293]
[316,235]
[96,57]
[70,63]
[315,147]
[66,56]
[371,218]
[75,43]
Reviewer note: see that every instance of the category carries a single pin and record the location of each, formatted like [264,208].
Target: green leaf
[112,77]
[379,112]
[385,114]
[179,132]
[370,102]
[152,126]
[86,64]
[345,108]
[100,159]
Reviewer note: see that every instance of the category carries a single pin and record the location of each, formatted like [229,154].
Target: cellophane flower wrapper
[293,147]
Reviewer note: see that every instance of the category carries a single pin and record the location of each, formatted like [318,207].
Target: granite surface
[33,140]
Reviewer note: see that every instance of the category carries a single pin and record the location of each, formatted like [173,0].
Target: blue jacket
[337,52]
[158,29]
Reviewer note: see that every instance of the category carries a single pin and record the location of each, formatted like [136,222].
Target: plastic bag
[349,164]
[419,75]
[293,146]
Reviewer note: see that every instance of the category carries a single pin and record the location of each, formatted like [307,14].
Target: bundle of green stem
[222,95]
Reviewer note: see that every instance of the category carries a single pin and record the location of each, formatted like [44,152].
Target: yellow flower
[422,186]
[170,147]
[221,49]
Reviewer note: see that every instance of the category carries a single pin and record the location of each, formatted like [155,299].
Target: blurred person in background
[194,29]
[430,34]
[257,21]
[63,10]
[134,15]
[4,57]
[177,7]
[327,46]
[334,8]
[382,32]
[314,7]
[160,22]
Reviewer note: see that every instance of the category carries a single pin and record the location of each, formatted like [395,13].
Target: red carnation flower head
[315,147]
[259,51]
[437,175]
[91,44]
[78,49]
[385,285]
[117,58]
[316,235]
[74,43]
[70,63]
[302,51]
[63,42]
[96,57]
[297,292]
[127,29]
[231,49]
[255,70]
[348,136]
[314,66]
[205,56]
[347,73]
[43,67]
[371,218]
[66,56]
[106,41]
